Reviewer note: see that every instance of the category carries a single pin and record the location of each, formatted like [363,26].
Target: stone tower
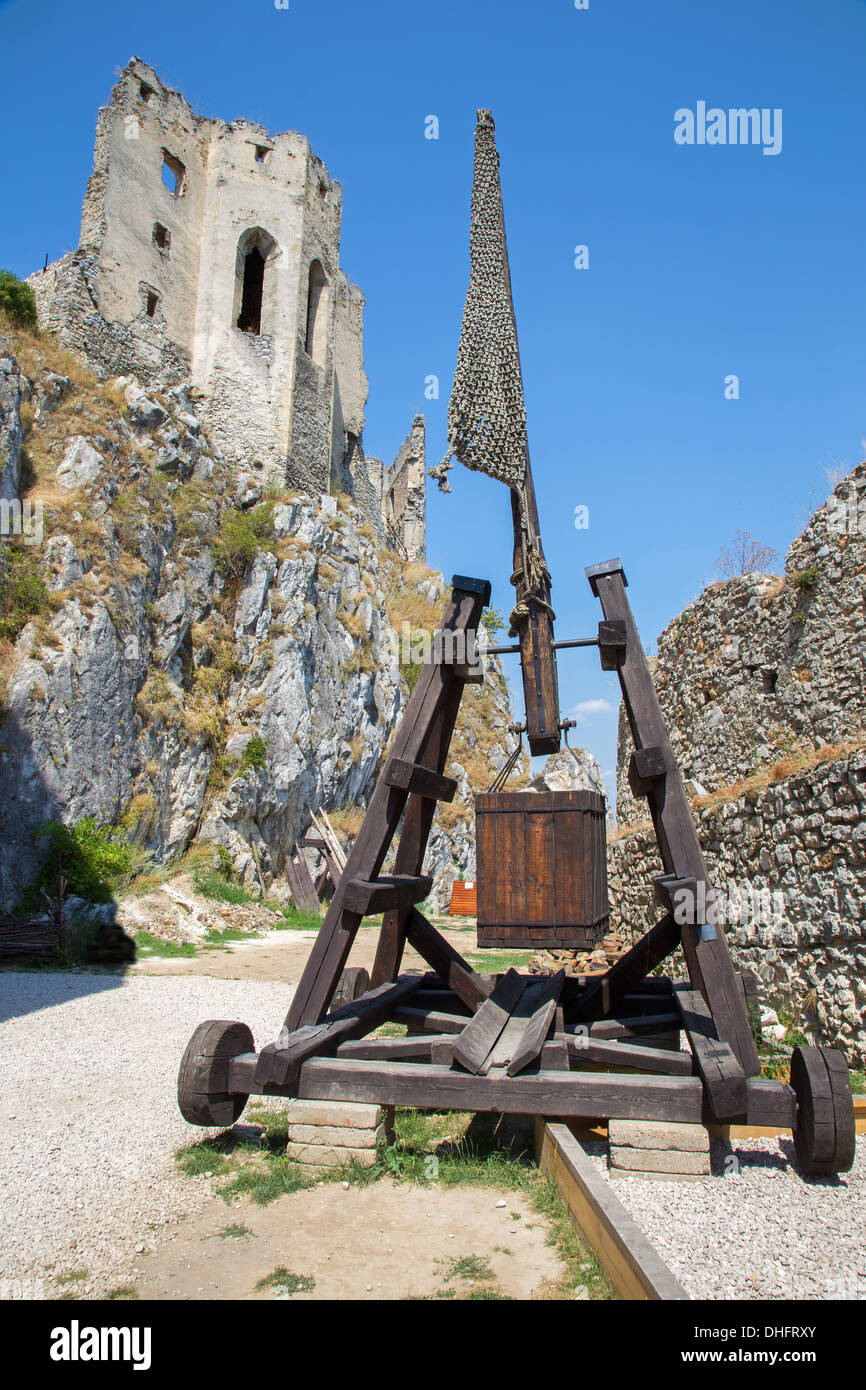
[209,253]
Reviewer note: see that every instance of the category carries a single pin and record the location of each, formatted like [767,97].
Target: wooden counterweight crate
[541,869]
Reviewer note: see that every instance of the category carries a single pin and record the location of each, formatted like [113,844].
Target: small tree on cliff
[745,555]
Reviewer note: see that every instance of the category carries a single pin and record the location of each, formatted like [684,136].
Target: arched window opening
[250,316]
[255,282]
[317,313]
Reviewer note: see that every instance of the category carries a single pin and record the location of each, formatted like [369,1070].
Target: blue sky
[703,260]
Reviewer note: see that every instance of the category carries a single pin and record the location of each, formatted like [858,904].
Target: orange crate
[464,899]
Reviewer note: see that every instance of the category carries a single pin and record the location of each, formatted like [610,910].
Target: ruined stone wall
[155,288]
[761,668]
[401,489]
[788,862]
[761,681]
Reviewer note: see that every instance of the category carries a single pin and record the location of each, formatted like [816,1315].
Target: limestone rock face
[205,667]
[569,770]
[10,428]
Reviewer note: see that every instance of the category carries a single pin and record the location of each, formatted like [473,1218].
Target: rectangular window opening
[768,682]
[161,237]
[262,151]
[151,301]
[173,173]
[145,91]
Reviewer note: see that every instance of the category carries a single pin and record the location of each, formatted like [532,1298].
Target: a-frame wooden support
[654,773]
[407,789]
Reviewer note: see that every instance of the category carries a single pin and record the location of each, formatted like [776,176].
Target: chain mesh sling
[486,412]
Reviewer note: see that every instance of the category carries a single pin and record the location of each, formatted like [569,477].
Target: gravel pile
[88,1066]
[756,1229]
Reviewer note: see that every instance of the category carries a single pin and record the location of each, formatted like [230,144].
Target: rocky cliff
[191,657]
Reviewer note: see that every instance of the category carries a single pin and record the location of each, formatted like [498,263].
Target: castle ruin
[209,254]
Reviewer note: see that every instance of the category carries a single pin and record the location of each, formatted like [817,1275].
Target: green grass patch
[497,962]
[236,1231]
[72,1276]
[254,1168]
[294,919]
[216,936]
[125,1292]
[282,1278]
[23,594]
[858,1082]
[149,945]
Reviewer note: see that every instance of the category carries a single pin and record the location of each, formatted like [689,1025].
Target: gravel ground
[88,1066]
[756,1229]
[87,1098]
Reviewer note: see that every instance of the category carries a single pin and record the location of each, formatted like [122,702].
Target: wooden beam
[390,1049]
[415,832]
[632,1264]
[278,1063]
[584,1094]
[448,963]
[429,1020]
[623,1054]
[369,896]
[609,990]
[421,780]
[540,989]
[706,953]
[433,690]
[640,1024]
[480,1034]
[719,1069]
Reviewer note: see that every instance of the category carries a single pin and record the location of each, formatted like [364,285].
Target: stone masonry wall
[803,839]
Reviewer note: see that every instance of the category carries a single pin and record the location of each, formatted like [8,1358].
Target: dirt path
[282,955]
[386,1241]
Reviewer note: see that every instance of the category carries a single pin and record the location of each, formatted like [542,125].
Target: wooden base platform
[513,1055]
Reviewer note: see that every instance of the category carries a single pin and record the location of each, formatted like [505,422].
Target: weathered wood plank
[421,780]
[529,1044]
[719,1069]
[584,1094]
[369,896]
[481,1032]
[433,690]
[415,1048]
[585,1048]
[632,1027]
[606,993]
[539,990]
[429,1020]
[278,1062]
[448,963]
[633,1265]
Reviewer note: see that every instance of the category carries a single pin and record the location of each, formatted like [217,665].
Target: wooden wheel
[204,1072]
[824,1138]
[353,982]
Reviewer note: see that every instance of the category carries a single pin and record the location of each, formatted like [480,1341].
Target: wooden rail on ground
[631,1263]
